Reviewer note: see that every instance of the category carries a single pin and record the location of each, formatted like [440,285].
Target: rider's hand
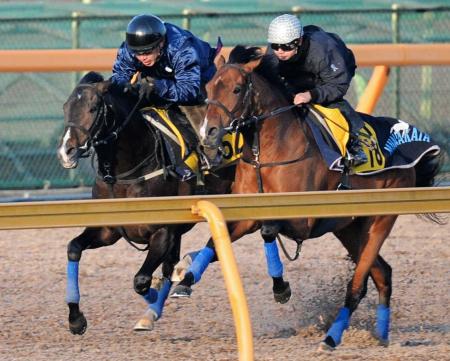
[302,98]
[147,86]
[132,89]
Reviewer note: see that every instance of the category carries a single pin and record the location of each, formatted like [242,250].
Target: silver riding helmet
[284,29]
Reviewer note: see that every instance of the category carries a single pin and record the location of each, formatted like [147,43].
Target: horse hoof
[283,296]
[180,291]
[324,347]
[78,325]
[146,323]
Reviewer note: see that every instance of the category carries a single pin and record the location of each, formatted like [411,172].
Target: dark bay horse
[281,155]
[98,115]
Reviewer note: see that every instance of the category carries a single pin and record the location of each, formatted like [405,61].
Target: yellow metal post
[233,283]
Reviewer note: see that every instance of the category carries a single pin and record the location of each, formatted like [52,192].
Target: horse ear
[103,86]
[91,77]
[251,65]
[219,61]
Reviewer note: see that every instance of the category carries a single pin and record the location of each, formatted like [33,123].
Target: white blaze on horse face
[62,149]
[202,131]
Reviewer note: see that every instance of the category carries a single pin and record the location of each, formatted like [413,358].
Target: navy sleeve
[185,87]
[124,67]
[335,78]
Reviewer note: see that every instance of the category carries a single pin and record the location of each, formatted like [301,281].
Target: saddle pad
[388,143]
[334,123]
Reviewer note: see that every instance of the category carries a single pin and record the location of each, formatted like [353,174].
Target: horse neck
[283,134]
[134,144]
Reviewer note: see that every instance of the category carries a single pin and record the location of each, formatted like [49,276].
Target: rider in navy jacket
[183,65]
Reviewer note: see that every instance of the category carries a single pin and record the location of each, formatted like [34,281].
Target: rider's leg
[356,123]
[182,123]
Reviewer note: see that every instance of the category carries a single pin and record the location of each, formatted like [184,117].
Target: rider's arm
[185,87]
[124,67]
[334,75]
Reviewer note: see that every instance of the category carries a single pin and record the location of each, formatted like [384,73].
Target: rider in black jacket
[316,66]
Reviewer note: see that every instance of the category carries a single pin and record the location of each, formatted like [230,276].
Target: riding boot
[355,149]
[357,154]
[187,132]
[195,114]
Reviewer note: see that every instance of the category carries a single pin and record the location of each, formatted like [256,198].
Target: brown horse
[281,155]
[131,163]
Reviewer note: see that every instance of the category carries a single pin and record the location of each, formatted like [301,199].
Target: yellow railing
[235,207]
[157,210]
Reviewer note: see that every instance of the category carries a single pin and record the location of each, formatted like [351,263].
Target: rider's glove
[132,89]
[146,88]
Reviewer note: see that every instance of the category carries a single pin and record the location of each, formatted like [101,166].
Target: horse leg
[160,245]
[281,289]
[197,263]
[89,238]
[381,274]
[207,255]
[159,290]
[357,287]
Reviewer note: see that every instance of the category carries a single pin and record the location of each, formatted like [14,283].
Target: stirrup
[357,158]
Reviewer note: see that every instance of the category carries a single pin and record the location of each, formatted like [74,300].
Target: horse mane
[267,68]
[91,77]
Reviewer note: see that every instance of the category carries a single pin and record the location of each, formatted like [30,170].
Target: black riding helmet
[144,33]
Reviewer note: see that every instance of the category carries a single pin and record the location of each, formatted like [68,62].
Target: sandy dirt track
[33,313]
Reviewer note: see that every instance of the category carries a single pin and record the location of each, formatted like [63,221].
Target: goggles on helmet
[150,49]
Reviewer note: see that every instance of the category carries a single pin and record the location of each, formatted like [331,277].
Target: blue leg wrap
[339,325]
[383,315]
[193,255]
[274,265]
[72,290]
[151,296]
[158,306]
[201,262]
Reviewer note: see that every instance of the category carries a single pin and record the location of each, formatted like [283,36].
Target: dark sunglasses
[285,47]
[148,51]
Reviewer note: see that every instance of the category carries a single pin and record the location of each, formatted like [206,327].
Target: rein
[101,119]
[242,121]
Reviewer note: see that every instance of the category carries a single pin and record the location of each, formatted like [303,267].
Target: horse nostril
[213,132]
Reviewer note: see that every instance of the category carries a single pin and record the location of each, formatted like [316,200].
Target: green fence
[31,118]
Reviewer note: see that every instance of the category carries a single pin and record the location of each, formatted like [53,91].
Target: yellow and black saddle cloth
[332,133]
[388,142]
[186,163]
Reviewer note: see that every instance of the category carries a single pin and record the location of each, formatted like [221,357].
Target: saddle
[334,131]
[387,142]
[186,163]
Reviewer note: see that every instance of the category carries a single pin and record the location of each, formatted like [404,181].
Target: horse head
[94,114]
[230,97]
[85,113]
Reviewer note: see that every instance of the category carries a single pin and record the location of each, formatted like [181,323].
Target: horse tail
[427,169]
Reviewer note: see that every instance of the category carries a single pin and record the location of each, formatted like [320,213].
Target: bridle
[244,102]
[95,129]
[245,119]
[237,123]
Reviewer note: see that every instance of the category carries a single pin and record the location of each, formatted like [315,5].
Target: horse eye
[93,109]
[237,90]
